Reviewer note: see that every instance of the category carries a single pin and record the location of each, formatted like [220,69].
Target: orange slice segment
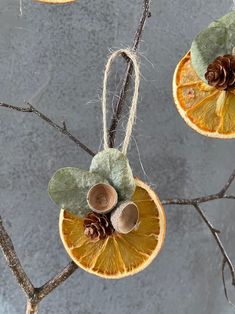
[205,109]
[119,255]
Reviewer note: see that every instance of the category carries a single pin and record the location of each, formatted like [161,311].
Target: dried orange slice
[205,109]
[119,255]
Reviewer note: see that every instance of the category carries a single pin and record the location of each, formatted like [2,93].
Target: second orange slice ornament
[204,81]
[111,224]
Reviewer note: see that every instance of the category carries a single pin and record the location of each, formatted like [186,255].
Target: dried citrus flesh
[119,255]
[205,109]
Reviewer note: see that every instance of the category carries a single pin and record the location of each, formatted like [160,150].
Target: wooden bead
[125,218]
[102,198]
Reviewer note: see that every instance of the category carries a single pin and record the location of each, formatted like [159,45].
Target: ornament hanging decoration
[111,223]
[204,81]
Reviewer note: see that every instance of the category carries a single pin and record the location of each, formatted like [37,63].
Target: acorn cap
[125,218]
[102,198]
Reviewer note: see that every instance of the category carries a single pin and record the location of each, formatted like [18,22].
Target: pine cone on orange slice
[204,81]
[221,73]
[97,227]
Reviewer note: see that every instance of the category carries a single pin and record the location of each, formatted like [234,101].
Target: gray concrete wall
[68,45]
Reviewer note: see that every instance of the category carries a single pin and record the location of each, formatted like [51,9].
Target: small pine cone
[221,72]
[97,227]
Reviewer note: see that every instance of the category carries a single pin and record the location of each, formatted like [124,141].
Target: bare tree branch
[203,199]
[226,259]
[224,282]
[121,98]
[195,202]
[34,295]
[62,129]
[13,262]
[54,282]
[32,308]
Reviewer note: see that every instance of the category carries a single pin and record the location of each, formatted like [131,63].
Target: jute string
[132,114]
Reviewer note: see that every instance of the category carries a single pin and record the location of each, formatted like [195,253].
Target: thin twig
[62,129]
[126,80]
[34,295]
[120,101]
[203,199]
[54,282]
[13,262]
[226,259]
[224,282]
[195,202]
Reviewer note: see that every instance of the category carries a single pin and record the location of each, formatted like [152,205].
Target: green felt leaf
[114,165]
[68,188]
[216,40]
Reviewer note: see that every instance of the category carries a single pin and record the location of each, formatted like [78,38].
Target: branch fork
[196,204]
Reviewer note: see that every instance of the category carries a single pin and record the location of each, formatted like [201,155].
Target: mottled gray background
[64,49]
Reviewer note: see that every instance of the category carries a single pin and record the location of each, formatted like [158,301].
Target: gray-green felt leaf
[69,186]
[216,40]
[114,165]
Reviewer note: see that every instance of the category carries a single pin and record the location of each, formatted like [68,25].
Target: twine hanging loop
[133,108]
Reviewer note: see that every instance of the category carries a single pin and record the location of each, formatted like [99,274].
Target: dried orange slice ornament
[204,81]
[111,224]
[118,255]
